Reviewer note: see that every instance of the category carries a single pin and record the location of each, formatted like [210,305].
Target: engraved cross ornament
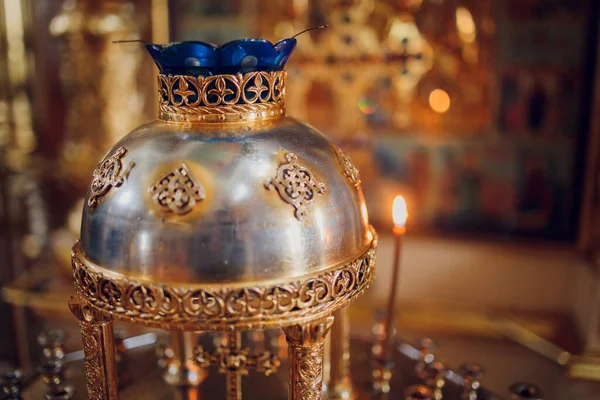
[235,362]
[233,359]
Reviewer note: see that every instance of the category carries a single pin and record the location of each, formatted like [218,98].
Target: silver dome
[239,228]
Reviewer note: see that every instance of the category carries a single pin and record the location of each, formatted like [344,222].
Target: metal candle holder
[223,215]
[383,362]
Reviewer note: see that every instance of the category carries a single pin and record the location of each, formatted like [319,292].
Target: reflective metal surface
[240,232]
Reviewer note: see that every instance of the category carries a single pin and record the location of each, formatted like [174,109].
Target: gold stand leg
[306,343]
[340,383]
[99,351]
[327,366]
[234,377]
[181,370]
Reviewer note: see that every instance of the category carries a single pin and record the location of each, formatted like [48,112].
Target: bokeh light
[367,106]
[439,101]
[465,25]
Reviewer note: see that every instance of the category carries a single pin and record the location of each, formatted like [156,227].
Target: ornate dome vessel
[223,214]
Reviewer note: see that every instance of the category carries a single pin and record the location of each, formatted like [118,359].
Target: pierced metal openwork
[178,191]
[296,185]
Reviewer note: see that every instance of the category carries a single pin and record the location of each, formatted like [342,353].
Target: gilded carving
[227,359]
[350,170]
[254,307]
[306,345]
[108,174]
[309,381]
[234,361]
[91,350]
[296,185]
[98,350]
[178,191]
[221,98]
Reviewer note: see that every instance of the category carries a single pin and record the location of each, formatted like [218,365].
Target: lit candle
[399,215]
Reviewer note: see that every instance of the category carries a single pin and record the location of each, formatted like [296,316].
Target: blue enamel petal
[201,58]
[184,57]
[284,48]
[247,55]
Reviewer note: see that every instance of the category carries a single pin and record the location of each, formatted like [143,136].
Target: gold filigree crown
[241,97]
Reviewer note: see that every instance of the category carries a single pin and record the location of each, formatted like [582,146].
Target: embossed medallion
[350,170]
[178,191]
[296,185]
[107,175]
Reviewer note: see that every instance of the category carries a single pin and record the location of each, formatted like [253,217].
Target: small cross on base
[234,361]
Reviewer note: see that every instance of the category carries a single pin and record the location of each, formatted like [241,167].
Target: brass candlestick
[382,374]
[399,216]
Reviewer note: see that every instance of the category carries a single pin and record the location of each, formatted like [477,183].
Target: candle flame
[399,212]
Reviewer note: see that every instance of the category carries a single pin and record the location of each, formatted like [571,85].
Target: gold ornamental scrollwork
[222,98]
[219,308]
[178,191]
[110,173]
[306,347]
[91,350]
[228,360]
[98,350]
[233,358]
[296,185]
[350,170]
[235,362]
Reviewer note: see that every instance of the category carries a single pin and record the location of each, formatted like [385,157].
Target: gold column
[95,74]
[160,21]
[99,351]
[234,376]
[305,348]
[17,137]
[340,382]
[160,32]
[327,366]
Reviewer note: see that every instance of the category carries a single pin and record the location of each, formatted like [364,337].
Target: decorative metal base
[147,382]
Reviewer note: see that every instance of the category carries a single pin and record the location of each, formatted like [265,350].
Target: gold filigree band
[222,98]
[222,308]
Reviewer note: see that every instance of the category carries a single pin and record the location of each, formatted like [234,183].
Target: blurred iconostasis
[474,110]
[477,111]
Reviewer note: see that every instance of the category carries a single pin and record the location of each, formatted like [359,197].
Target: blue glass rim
[203,58]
